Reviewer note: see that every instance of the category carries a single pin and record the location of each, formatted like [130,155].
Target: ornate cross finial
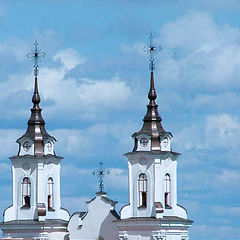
[36,55]
[152,48]
[100,173]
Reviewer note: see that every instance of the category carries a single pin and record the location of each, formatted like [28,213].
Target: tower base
[33,229]
[166,228]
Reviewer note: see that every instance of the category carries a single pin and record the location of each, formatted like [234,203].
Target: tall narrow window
[26,192]
[167,190]
[50,193]
[142,188]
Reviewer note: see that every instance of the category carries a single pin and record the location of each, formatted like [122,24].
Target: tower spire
[152,121]
[36,125]
[36,55]
[152,48]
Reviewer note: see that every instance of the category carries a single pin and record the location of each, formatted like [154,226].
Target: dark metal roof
[34,222]
[155,153]
[164,219]
[104,198]
[115,214]
[152,125]
[36,125]
[31,157]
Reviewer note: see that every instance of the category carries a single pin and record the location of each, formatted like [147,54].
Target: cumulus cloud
[225,210]
[7,142]
[219,232]
[218,130]
[222,130]
[215,101]
[230,177]
[75,204]
[136,47]
[69,58]
[14,47]
[79,143]
[117,179]
[2,11]
[200,58]
[5,171]
[87,97]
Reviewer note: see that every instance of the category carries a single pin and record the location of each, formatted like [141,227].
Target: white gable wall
[97,222]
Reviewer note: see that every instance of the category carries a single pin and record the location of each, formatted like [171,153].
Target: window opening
[26,192]
[142,188]
[50,193]
[26,146]
[167,190]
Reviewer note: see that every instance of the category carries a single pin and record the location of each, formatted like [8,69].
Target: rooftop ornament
[152,48]
[100,174]
[36,55]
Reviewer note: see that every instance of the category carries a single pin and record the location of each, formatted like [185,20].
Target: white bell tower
[153,210]
[36,210]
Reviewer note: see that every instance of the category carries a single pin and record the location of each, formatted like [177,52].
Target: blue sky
[94,83]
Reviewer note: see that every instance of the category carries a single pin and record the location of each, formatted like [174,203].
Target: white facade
[42,188]
[155,167]
[36,210]
[39,170]
[97,223]
[153,212]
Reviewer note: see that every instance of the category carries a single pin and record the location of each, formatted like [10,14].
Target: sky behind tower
[94,82]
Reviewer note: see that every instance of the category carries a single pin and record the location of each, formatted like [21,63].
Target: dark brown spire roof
[36,125]
[152,125]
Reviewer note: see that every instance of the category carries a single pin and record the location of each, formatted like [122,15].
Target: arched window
[167,190]
[26,192]
[142,188]
[50,193]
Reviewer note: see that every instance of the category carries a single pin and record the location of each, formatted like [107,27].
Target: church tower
[153,212]
[36,210]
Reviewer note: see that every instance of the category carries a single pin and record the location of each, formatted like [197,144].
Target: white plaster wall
[151,234]
[39,171]
[97,222]
[156,167]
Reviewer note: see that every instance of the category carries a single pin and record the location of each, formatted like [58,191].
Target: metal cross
[151,49]
[36,55]
[100,173]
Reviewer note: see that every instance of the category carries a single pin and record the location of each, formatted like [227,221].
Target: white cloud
[7,142]
[80,143]
[5,171]
[219,130]
[222,130]
[225,211]
[230,177]
[219,232]
[202,54]
[75,204]
[216,101]
[117,179]
[136,47]
[69,58]
[2,12]
[83,98]
[14,47]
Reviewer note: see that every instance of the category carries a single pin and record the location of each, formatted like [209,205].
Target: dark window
[26,146]
[142,188]
[26,192]
[167,190]
[143,142]
[50,193]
